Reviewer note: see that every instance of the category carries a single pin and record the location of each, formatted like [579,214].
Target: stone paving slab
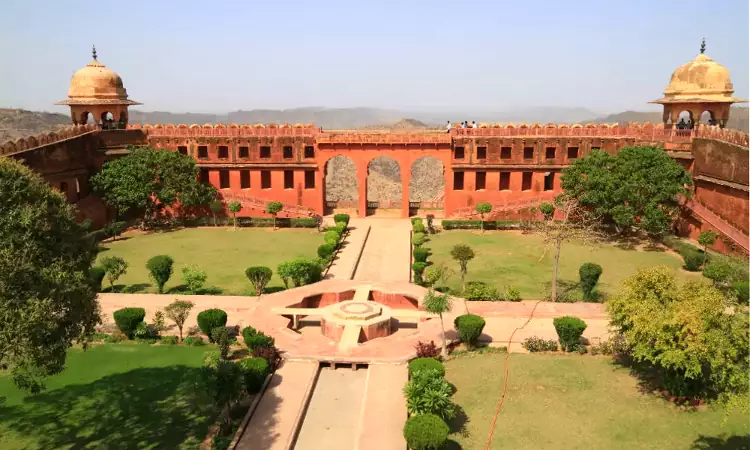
[332,418]
[387,254]
[384,408]
[347,259]
[274,422]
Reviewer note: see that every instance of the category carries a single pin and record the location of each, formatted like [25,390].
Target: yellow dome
[698,81]
[95,84]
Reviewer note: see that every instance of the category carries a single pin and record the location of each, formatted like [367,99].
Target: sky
[221,56]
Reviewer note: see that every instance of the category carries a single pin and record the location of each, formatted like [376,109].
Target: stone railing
[646,131]
[232,130]
[722,134]
[31,142]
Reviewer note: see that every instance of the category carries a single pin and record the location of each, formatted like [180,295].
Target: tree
[178,312]
[575,223]
[224,382]
[160,267]
[300,271]
[639,188]
[259,276]
[115,267]
[462,253]
[47,299]
[705,239]
[216,207]
[483,208]
[694,335]
[147,178]
[193,277]
[436,303]
[273,209]
[234,208]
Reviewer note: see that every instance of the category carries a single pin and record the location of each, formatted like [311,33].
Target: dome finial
[703,46]
[93,51]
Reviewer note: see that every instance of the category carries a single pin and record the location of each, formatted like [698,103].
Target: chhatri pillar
[696,87]
[97,92]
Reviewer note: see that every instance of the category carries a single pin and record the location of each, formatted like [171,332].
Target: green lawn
[506,258]
[576,402]
[223,253]
[113,396]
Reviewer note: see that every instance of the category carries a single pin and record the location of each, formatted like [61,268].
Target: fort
[404,173]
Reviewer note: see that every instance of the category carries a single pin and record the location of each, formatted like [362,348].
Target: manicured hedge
[426,364]
[254,370]
[469,328]
[281,222]
[425,432]
[128,319]
[477,224]
[210,319]
[569,331]
[341,218]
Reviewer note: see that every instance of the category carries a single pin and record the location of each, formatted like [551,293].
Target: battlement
[40,140]
[231,130]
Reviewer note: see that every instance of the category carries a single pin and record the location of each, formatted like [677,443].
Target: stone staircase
[470,212]
[287,210]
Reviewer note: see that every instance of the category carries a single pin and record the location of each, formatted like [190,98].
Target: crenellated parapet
[231,130]
[42,139]
[735,137]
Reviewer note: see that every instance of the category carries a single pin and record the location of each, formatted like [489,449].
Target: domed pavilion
[98,91]
[701,85]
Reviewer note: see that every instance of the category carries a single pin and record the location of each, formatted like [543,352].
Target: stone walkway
[384,408]
[387,254]
[348,257]
[274,422]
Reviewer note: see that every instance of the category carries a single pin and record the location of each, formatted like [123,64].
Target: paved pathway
[347,258]
[387,254]
[332,418]
[384,408]
[274,421]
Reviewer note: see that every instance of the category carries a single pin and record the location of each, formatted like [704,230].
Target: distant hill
[738,118]
[15,123]
[154,117]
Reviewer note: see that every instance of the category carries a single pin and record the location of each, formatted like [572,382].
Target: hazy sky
[494,55]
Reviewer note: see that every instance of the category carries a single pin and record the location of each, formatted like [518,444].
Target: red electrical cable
[505,381]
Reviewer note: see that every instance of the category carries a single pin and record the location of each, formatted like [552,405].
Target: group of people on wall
[464,124]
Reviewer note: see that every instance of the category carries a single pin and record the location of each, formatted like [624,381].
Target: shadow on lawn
[723,442]
[148,407]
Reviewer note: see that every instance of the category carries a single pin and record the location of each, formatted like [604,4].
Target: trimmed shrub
[513,294]
[97,276]
[259,276]
[477,224]
[743,291]
[426,364]
[547,210]
[341,227]
[425,432]
[194,341]
[193,277]
[332,237]
[341,218]
[427,350]
[300,272]
[589,274]
[420,254]
[418,239]
[254,371]
[220,336]
[247,332]
[693,260]
[127,320]
[418,227]
[142,331]
[325,251]
[469,328]
[168,340]
[210,319]
[160,267]
[569,330]
[479,290]
[270,354]
[259,340]
[418,268]
[536,344]
[427,392]
[304,222]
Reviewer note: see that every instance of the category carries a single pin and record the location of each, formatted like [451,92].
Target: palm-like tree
[437,303]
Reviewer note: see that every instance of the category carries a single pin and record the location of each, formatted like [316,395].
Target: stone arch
[707,117]
[384,181]
[340,182]
[684,120]
[427,182]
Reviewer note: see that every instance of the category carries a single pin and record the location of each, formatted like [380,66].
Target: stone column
[405,177]
[362,186]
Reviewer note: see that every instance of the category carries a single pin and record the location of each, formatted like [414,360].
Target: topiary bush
[418,268]
[127,320]
[589,274]
[420,254]
[425,432]
[97,276]
[325,251]
[569,330]
[332,237]
[341,227]
[259,340]
[247,332]
[481,291]
[220,336]
[693,260]
[210,319]
[469,327]
[426,364]
[259,276]
[341,218]
[254,371]
[427,392]
[418,239]
[160,268]
[418,227]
